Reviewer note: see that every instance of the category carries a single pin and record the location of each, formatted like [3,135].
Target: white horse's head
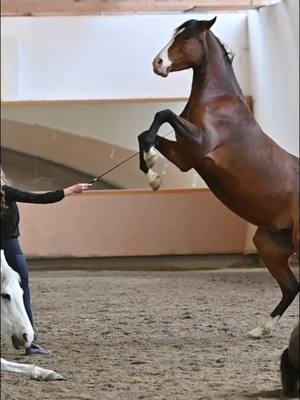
[14,319]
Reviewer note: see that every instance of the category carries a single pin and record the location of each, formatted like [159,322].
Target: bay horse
[16,325]
[217,135]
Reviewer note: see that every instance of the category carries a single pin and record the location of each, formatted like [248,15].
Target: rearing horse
[217,135]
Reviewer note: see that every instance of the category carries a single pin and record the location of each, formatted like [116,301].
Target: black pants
[17,261]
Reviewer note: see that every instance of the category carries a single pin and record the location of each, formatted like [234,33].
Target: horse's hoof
[259,332]
[264,328]
[155,184]
[42,374]
[256,333]
[154,180]
[57,377]
[150,157]
[53,376]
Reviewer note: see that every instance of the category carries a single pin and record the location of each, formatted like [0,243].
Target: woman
[10,232]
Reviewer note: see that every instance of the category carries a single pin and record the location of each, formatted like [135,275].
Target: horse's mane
[192,27]
[228,53]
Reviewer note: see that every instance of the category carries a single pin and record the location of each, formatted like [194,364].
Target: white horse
[16,325]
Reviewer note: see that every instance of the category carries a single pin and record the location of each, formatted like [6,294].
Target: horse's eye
[5,296]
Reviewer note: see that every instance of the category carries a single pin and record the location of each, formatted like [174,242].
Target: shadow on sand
[264,394]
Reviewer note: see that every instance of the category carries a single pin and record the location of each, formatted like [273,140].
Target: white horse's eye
[5,296]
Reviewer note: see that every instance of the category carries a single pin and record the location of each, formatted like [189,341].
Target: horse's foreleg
[31,370]
[179,124]
[171,150]
[275,248]
[174,153]
[147,159]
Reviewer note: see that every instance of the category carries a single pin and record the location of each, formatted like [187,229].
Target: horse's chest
[196,116]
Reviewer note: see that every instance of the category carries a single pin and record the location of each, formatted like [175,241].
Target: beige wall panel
[132,223]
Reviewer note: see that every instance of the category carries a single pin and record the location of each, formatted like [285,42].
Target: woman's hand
[78,188]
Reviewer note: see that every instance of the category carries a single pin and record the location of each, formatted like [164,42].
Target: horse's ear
[209,24]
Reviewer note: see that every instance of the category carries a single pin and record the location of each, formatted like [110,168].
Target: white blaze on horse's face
[162,63]
[14,319]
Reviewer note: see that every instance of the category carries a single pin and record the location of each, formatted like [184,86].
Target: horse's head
[14,319]
[186,48]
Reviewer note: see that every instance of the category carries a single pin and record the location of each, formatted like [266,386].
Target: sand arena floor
[153,336]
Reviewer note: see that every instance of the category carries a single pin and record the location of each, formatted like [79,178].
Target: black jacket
[10,216]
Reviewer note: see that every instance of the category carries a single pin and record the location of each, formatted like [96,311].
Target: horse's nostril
[159,61]
[25,337]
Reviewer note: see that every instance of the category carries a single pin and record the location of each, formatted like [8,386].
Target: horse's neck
[215,77]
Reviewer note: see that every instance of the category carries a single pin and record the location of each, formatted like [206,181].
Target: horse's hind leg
[275,248]
[296,237]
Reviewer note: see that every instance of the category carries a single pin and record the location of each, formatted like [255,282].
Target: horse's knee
[160,115]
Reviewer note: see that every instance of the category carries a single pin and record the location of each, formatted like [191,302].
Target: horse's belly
[258,209]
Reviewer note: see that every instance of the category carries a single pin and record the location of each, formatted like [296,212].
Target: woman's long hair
[4,182]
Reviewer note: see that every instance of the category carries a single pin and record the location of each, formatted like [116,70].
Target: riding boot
[35,349]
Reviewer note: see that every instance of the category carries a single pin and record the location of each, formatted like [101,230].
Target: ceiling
[99,7]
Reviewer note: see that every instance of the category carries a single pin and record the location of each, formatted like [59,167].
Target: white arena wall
[274,71]
[101,57]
